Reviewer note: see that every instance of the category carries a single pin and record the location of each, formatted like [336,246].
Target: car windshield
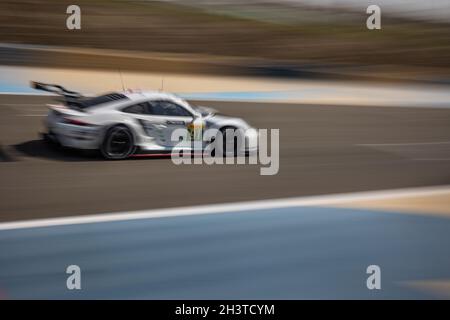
[204,111]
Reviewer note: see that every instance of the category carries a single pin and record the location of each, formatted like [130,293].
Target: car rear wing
[54,88]
[71,98]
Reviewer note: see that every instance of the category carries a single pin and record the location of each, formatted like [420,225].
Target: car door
[152,127]
[175,117]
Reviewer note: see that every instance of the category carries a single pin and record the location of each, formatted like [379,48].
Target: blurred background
[364,120]
[293,38]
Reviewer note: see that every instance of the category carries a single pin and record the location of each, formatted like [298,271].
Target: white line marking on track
[320,200]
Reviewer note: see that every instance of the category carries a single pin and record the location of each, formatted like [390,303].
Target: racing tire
[118,143]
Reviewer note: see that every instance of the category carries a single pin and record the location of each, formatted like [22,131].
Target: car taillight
[76,122]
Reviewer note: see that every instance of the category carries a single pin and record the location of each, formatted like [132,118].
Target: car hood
[215,119]
[219,121]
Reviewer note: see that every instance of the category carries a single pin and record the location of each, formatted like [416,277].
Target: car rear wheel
[118,143]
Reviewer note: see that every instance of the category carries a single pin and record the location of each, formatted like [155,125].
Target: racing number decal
[195,130]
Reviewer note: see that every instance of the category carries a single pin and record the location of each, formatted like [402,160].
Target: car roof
[138,96]
[151,95]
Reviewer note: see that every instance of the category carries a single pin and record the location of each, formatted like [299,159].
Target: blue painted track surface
[290,253]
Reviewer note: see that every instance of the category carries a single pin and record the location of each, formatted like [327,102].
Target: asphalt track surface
[291,253]
[323,149]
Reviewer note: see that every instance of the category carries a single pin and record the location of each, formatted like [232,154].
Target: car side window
[167,108]
[140,108]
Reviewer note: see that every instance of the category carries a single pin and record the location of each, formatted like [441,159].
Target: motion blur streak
[323,149]
[283,38]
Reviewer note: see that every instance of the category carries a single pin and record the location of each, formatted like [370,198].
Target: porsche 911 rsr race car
[123,124]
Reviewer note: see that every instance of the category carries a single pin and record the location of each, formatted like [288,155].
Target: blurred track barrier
[42,56]
[208,87]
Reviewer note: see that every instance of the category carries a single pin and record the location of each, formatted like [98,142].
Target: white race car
[124,124]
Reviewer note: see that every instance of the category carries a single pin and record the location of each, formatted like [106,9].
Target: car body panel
[86,128]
